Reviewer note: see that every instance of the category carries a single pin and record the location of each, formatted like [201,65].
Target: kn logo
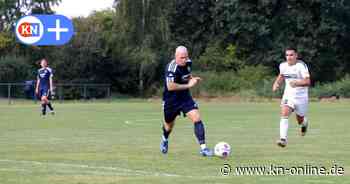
[44,30]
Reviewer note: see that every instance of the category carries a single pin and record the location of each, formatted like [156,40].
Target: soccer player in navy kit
[44,86]
[177,98]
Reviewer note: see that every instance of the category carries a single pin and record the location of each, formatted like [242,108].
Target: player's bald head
[181,49]
[181,55]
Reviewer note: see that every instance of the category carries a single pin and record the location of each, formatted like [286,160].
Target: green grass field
[89,143]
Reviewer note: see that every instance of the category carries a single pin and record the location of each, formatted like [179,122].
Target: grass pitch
[105,143]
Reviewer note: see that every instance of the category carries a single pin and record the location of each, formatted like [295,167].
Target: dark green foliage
[340,88]
[15,69]
[247,78]
[262,29]
[236,44]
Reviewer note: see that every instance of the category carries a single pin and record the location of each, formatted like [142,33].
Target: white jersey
[294,72]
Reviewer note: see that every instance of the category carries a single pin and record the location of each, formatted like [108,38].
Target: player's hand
[275,87]
[197,78]
[192,82]
[293,83]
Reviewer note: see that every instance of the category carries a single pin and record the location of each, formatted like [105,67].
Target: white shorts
[299,106]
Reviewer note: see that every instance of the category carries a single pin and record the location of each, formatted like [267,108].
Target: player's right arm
[172,86]
[278,82]
[37,85]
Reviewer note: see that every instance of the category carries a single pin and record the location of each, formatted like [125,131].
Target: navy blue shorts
[44,92]
[171,109]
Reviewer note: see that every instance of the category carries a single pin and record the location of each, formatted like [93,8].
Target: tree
[141,31]
[191,24]
[12,10]
[262,29]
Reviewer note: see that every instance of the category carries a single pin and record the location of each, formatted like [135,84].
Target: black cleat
[303,130]
[282,143]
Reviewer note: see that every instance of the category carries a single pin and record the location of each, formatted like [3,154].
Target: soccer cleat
[164,146]
[282,143]
[303,129]
[206,152]
[52,112]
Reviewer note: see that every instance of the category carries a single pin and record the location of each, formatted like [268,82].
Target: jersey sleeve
[304,71]
[170,76]
[37,75]
[170,72]
[51,71]
[280,68]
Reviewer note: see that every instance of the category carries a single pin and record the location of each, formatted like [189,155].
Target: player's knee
[168,125]
[44,99]
[196,119]
[285,112]
[194,115]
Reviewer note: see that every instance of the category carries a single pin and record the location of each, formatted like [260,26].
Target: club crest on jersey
[186,77]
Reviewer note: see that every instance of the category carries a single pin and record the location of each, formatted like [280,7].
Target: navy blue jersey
[180,75]
[44,75]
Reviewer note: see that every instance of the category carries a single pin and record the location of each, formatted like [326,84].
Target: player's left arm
[51,82]
[194,77]
[305,81]
[301,83]
[37,85]
[189,64]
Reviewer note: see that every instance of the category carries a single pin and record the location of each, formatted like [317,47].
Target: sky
[75,8]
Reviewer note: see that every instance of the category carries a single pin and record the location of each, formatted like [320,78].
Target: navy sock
[43,109]
[166,133]
[50,106]
[199,132]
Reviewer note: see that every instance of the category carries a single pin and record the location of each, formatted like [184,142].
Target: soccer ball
[222,149]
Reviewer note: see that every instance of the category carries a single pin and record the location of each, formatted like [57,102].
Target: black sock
[166,133]
[199,132]
[50,106]
[43,109]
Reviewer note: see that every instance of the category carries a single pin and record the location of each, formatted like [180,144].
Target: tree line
[129,44]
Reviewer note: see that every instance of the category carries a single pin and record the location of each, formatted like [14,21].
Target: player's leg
[286,110]
[300,112]
[43,103]
[193,114]
[170,114]
[164,143]
[167,128]
[49,105]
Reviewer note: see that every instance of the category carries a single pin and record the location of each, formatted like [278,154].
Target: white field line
[83,166]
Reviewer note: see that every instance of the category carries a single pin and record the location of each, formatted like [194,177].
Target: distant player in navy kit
[177,98]
[44,86]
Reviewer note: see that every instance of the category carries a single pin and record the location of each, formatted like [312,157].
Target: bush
[15,69]
[252,77]
[255,78]
[218,59]
[340,88]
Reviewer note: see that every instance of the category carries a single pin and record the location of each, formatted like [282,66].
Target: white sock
[203,146]
[283,128]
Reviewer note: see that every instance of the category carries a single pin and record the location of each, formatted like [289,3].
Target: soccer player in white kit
[295,97]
